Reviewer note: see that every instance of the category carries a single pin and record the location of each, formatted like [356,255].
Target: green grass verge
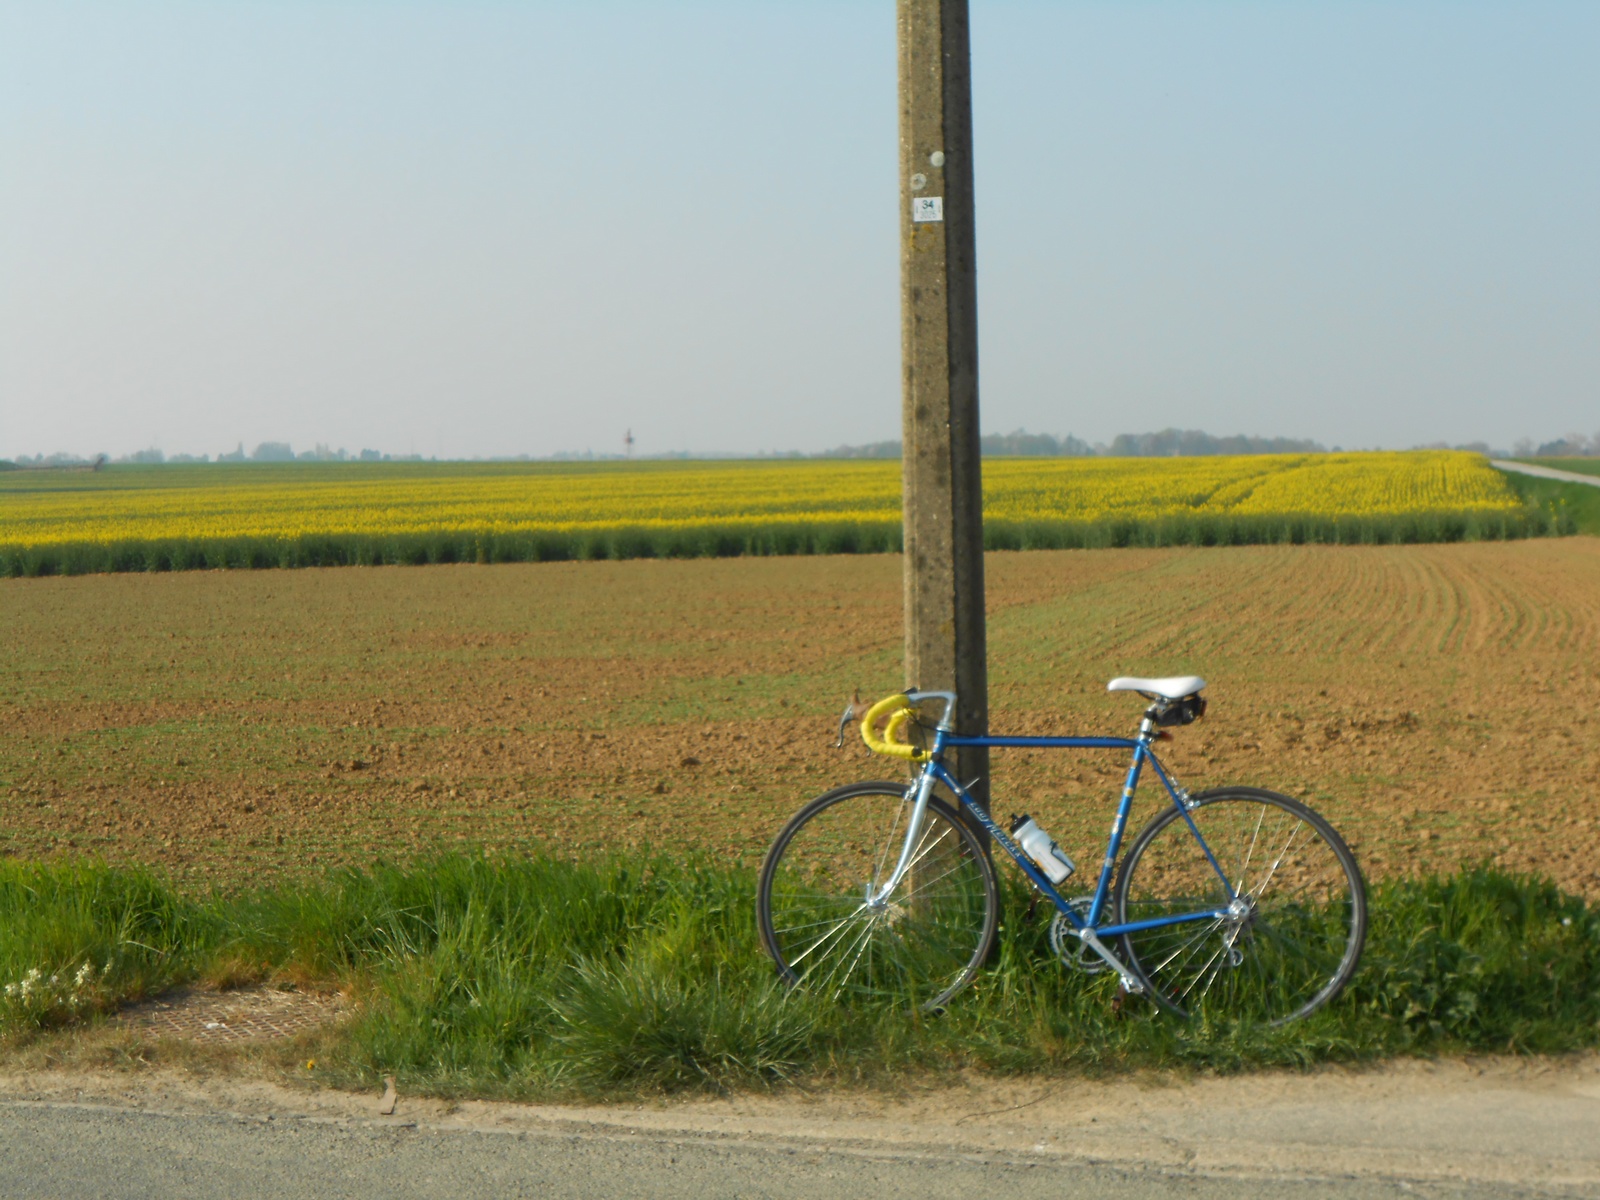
[1573,507]
[544,978]
[734,540]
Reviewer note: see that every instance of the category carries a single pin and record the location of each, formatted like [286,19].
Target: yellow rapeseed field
[202,504]
[1366,484]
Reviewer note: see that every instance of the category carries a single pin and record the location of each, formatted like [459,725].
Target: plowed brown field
[1440,703]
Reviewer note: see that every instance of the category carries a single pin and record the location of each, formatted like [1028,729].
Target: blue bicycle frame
[1089,929]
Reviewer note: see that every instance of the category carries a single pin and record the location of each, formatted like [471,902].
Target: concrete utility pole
[945,641]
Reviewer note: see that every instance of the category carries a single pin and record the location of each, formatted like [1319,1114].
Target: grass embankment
[543,978]
[306,514]
[1573,506]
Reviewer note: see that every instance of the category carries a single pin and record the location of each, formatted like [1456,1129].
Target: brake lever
[852,712]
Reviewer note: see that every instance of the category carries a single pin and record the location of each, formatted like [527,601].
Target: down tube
[1025,864]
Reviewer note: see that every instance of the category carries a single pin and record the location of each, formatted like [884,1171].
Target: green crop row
[735,539]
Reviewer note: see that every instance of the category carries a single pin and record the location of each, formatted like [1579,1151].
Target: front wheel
[1294,911]
[827,929]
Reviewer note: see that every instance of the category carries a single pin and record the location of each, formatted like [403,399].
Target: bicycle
[1234,900]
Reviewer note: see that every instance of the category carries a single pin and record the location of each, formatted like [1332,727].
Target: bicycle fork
[923,788]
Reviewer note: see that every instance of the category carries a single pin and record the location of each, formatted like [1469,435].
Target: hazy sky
[497,228]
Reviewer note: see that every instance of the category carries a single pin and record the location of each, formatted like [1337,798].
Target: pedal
[1121,1001]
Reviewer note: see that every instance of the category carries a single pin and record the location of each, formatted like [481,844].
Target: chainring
[1068,947]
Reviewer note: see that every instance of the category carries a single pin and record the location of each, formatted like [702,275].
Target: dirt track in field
[1440,703]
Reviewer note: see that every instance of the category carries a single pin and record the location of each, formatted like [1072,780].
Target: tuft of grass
[83,938]
[543,977]
[1483,959]
[644,1021]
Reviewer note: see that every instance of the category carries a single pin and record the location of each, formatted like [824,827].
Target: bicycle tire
[1292,944]
[922,945]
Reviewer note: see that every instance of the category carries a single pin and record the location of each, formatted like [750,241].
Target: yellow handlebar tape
[900,711]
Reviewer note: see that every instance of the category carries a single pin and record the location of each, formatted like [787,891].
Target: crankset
[1068,946]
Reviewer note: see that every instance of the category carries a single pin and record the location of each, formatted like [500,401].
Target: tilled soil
[1441,704]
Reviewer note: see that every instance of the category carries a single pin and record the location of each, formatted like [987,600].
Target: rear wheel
[1295,908]
[825,927]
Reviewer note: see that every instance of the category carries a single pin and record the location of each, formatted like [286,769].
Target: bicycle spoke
[1244,868]
[918,852]
[889,842]
[1196,939]
[859,947]
[923,887]
[825,938]
[1181,969]
[1214,971]
[809,924]
[1277,862]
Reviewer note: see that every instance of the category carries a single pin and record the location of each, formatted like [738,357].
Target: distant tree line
[1183,443]
[1167,443]
[266,452]
[1573,445]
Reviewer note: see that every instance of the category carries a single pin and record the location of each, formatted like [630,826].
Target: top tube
[1086,743]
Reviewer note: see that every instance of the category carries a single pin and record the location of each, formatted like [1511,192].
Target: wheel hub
[1241,916]
[882,908]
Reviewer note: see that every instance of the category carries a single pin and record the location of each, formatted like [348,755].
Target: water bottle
[1040,847]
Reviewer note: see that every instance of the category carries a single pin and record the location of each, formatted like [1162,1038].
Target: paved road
[1546,472]
[1477,1129]
[50,1150]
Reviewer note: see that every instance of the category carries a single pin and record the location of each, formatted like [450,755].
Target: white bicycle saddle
[1175,687]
